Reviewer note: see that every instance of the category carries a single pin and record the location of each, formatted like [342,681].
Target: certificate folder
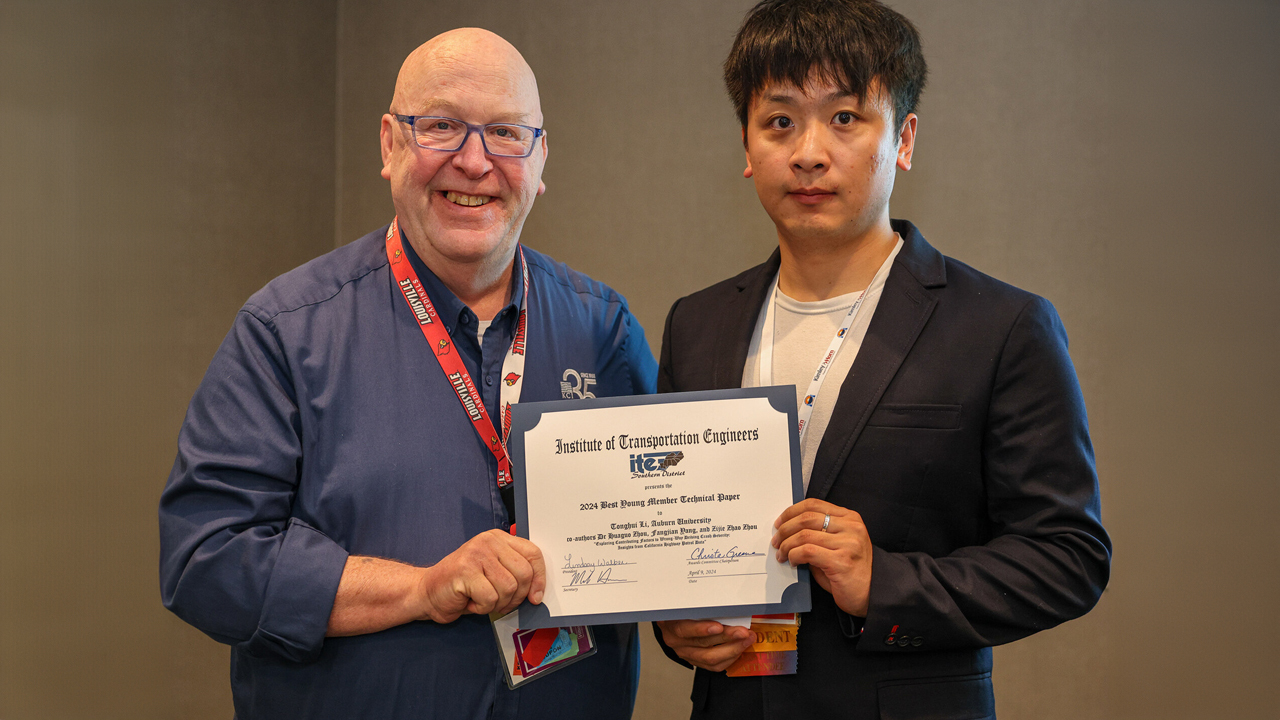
[658,507]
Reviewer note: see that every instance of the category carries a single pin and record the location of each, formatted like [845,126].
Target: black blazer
[960,437]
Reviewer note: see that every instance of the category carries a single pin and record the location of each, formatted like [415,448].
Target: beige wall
[1116,156]
[155,170]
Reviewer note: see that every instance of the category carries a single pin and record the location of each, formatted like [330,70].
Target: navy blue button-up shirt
[326,427]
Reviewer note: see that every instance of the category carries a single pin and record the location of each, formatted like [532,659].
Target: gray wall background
[160,161]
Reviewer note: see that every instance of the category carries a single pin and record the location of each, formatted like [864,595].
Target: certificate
[658,507]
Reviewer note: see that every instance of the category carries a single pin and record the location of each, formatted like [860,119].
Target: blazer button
[917,641]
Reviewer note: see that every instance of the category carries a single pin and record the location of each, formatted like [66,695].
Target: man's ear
[748,172]
[387,142]
[542,186]
[907,141]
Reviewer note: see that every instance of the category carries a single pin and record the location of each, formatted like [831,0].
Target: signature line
[711,577]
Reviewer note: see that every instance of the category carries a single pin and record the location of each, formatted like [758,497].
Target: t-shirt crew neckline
[817,307]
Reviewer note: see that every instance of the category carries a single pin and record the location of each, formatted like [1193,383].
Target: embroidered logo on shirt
[577,387]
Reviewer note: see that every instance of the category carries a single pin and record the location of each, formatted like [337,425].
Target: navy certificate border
[526,416]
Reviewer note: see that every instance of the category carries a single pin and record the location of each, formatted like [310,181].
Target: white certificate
[658,507]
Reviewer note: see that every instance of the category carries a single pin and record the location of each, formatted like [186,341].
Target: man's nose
[810,152]
[471,158]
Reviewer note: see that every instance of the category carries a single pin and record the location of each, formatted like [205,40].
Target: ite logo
[808,400]
[443,348]
[842,332]
[653,462]
[510,379]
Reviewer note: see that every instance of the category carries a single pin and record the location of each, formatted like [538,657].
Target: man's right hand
[706,643]
[492,571]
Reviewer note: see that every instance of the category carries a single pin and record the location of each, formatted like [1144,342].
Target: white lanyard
[764,373]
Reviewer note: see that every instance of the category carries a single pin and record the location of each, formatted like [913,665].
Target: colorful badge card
[774,650]
[531,654]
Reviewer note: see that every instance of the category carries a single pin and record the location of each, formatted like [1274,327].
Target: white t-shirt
[802,332]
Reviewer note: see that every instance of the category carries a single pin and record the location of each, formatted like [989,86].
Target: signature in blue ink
[571,564]
[715,554]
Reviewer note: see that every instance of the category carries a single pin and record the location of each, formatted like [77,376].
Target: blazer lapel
[904,308]
[739,322]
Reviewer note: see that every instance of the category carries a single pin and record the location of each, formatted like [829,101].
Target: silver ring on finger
[825,522]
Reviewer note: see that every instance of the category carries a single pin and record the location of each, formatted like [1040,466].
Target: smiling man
[951,496]
[340,504]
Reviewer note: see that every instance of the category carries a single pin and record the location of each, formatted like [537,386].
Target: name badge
[532,654]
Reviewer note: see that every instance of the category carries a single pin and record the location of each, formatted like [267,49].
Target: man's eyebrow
[781,99]
[515,118]
[837,95]
[789,99]
[447,109]
[439,109]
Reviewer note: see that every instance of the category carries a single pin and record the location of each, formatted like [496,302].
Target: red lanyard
[442,347]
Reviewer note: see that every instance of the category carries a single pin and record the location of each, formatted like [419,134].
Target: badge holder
[531,654]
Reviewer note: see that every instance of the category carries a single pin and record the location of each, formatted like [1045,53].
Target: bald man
[340,506]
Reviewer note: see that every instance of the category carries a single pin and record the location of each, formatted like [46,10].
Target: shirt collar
[449,307]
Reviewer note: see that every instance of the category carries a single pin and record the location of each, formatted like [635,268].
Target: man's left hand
[839,558]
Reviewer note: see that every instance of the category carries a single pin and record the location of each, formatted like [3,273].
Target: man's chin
[813,232]
[466,247]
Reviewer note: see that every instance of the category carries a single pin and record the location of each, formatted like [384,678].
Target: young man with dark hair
[951,495]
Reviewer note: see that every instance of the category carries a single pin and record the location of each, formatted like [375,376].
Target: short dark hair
[849,43]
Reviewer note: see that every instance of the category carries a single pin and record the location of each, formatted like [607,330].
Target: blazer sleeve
[1048,557]
[233,561]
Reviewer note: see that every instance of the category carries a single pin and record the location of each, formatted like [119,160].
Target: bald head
[472,56]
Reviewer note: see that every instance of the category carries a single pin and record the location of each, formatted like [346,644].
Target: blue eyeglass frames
[450,134]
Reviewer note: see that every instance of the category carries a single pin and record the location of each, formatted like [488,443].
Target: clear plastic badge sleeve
[531,654]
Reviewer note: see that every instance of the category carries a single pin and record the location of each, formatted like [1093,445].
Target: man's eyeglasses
[450,134]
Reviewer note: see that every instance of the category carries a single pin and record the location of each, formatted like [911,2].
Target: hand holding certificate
[659,507]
